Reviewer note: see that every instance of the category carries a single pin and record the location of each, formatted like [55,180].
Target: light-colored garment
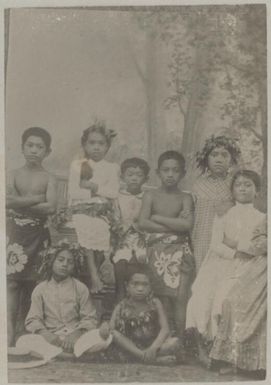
[90,341]
[132,242]
[61,307]
[249,229]
[130,206]
[105,175]
[210,194]
[237,225]
[241,337]
[93,231]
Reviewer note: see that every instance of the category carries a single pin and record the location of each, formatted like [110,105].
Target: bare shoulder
[149,195]
[157,302]
[186,196]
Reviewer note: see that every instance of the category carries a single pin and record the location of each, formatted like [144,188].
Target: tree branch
[258,136]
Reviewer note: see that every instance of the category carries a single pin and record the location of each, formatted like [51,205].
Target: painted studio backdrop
[162,77]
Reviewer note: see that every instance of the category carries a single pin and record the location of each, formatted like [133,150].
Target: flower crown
[49,254]
[228,143]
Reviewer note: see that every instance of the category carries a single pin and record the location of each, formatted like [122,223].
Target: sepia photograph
[136,163]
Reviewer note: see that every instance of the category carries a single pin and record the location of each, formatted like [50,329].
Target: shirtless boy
[30,198]
[167,215]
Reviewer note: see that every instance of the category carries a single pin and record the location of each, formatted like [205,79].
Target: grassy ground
[80,372]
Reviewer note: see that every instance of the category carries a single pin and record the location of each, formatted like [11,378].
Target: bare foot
[166,360]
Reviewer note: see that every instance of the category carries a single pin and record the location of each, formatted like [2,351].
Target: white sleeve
[74,190]
[111,184]
[217,244]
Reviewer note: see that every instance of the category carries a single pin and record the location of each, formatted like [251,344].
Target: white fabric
[105,175]
[91,342]
[93,233]
[237,225]
[37,344]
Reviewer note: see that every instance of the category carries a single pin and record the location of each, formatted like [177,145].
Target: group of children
[181,260]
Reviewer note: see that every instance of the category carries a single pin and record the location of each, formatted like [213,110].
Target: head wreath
[228,143]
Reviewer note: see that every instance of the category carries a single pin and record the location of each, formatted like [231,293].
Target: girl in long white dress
[230,235]
[93,187]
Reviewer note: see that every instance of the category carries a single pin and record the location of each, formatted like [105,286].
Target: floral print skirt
[26,237]
[169,258]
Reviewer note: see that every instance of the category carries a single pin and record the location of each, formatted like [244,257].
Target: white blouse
[105,175]
[238,225]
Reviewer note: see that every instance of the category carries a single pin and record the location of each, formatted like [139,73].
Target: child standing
[139,324]
[131,249]
[61,309]
[167,214]
[93,187]
[226,257]
[31,197]
[212,190]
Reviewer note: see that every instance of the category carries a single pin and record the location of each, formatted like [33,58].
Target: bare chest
[28,183]
[167,205]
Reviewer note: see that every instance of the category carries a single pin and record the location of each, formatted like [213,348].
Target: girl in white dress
[92,190]
[230,236]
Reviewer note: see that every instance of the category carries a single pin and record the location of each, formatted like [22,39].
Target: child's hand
[104,330]
[230,242]
[150,354]
[51,337]
[69,341]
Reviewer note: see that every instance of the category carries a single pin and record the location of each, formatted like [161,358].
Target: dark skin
[30,189]
[138,289]
[170,210]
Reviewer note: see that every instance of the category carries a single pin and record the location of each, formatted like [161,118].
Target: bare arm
[164,328]
[185,220]
[14,200]
[144,222]
[49,206]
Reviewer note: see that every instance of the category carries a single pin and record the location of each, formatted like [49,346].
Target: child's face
[139,287]
[219,161]
[34,150]
[96,146]
[244,190]
[63,265]
[134,178]
[170,173]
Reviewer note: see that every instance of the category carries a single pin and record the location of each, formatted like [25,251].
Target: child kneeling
[139,324]
[61,308]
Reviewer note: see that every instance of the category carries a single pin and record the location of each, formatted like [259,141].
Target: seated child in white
[61,308]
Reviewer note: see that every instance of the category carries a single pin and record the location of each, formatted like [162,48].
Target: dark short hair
[135,162]
[137,269]
[40,132]
[172,155]
[249,174]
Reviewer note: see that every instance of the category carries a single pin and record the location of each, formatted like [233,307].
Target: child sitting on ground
[139,324]
[131,246]
[61,308]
